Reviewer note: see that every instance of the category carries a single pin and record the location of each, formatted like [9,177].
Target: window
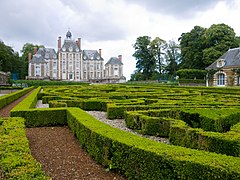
[37,70]
[64,56]
[77,64]
[84,66]
[221,79]
[220,63]
[91,75]
[64,67]
[98,66]
[70,67]
[84,75]
[77,56]
[91,67]
[70,56]
[115,72]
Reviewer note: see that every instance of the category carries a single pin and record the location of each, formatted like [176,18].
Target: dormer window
[220,63]
[70,49]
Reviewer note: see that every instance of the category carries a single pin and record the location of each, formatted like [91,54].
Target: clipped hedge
[7,99]
[28,102]
[140,158]
[191,73]
[42,116]
[16,161]
[182,128]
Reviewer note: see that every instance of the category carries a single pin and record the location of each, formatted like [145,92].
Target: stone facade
[225,71]
[4,77]
[71,63]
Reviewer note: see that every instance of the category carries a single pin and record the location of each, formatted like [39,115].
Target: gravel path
[5,111]
[58,150]
[120,124]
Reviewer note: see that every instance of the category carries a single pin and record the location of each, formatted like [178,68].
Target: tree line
[196,49]
[11,61]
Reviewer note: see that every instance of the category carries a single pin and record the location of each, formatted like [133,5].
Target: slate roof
[44,53]
[113,61]
[231,59]
[69,43]
[37,58]
[91,54]
[47,53]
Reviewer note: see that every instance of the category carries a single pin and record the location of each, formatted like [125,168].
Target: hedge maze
[202,124]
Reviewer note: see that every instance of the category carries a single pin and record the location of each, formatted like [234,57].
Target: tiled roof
[113,61]
[231,59]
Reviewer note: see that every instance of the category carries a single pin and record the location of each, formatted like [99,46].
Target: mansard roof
[231,59]
[68,44]
[47,53]
[91,54]
[37,58]
[114,61]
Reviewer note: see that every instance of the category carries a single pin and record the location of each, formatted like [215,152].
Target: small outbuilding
[225,71]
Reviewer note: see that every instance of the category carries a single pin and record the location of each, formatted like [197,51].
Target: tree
[146,63]
[8,59]
[192,44]
[158,47]
[172,56]
[27,48]
[218,38]
[200,47]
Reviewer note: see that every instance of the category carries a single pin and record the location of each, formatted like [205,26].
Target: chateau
[71,63]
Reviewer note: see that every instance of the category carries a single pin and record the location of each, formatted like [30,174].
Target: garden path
[60,154]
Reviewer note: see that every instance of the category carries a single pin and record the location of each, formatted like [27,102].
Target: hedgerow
[16,161]
[199,118]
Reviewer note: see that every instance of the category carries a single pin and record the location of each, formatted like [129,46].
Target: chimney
[59,42]
[79,43]
[100,52]
[35,50]
[120,57]
[29,56]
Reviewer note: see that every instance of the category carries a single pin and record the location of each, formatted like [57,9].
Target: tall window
[64,56]
[38,71]
[221,79]
[64,67]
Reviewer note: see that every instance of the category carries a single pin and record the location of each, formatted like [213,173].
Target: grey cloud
[43,21]
[177,8]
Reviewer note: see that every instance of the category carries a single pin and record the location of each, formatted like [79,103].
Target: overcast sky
[110,25]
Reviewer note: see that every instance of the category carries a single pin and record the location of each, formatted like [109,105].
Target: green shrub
[191,73]
[28,102]
[16,161]
[7,99]
[42,117]
[140,158]
[56,104]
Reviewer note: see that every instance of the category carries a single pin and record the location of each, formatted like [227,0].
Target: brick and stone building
[71,63]
[225,71]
